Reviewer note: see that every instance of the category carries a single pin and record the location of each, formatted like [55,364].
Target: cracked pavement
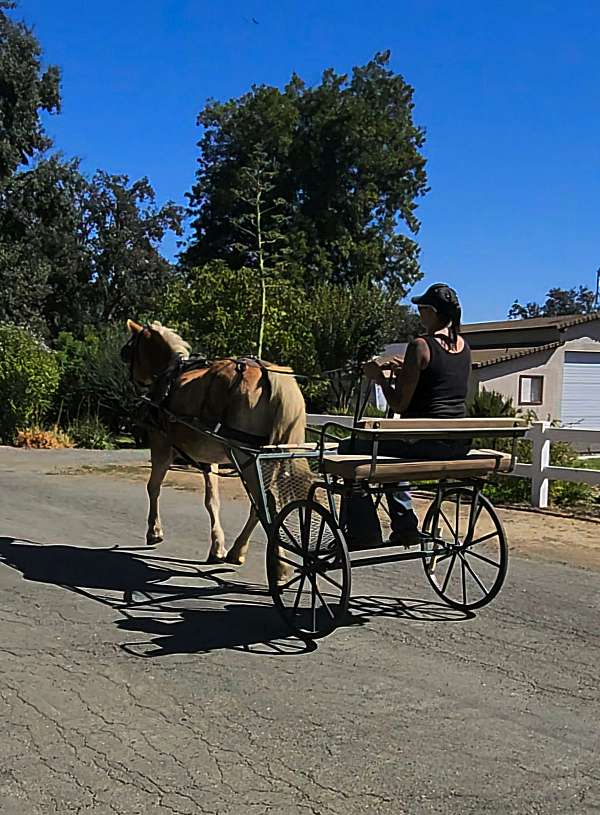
[193,699]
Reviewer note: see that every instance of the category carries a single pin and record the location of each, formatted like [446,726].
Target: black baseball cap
[440,297]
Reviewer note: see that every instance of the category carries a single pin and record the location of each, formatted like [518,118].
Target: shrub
[95,383]
[29,378]
[40,438]
[90,433]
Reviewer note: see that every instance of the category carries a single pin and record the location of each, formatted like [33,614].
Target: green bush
[510,490]
[29,378]
[89,432]
[95,383]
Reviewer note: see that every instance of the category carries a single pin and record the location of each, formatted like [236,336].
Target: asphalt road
[195,700]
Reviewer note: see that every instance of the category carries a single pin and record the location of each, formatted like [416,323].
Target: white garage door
[581,389]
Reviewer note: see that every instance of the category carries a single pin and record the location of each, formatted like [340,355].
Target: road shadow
[363,607]
[234,615]
[239,626]
[78,566]
[148,604]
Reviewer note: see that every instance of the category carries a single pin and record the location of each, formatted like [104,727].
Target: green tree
[41,223]
[29,376]
[25,91]
[123,228]
[350,324]
[558,302]
[261,241]
[215,308]
[23,286]
[77,252]
[349,168]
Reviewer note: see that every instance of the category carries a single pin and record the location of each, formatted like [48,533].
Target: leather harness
[163,382]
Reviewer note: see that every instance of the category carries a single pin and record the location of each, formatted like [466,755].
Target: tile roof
[482,357]
[560,322]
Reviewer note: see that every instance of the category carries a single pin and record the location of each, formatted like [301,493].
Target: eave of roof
[560,322]
[515,353]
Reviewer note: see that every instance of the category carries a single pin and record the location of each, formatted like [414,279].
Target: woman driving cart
[430,382]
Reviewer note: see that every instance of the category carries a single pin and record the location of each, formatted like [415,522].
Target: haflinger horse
[247,400]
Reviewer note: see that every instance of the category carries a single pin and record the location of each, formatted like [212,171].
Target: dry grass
[43,438]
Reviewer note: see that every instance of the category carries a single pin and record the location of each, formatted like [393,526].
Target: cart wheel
[467,566]
[308,568]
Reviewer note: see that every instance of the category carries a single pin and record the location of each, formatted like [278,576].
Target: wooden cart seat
[389,470]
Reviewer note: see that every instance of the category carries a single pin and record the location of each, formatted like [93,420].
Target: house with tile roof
[550,365]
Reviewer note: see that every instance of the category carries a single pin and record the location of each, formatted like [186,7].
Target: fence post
[540,459]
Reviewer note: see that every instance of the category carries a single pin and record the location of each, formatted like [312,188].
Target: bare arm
[400,392]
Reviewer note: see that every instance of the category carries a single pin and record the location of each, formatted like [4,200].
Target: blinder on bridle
[127,355]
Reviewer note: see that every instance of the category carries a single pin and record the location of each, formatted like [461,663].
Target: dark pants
[358,515]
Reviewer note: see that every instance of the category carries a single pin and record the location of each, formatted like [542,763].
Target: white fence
[542,434]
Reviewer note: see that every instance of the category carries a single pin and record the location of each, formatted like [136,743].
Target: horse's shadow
[232,614]
[137,588]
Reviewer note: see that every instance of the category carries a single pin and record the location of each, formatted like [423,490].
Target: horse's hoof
[211,559]
[234,559]
[154,540]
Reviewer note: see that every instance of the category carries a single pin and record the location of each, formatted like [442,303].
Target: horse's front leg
[213,506]
[161,455]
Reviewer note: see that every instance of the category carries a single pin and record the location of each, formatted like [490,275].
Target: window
[531,390]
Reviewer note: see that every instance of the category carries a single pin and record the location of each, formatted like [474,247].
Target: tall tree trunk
[263,282]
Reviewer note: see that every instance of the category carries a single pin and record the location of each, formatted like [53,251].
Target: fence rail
[540,471]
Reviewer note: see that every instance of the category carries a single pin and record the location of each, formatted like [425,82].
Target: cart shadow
[363,608]
[238,626]
[231,615]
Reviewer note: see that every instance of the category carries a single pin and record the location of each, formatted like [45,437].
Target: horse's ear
[134,328]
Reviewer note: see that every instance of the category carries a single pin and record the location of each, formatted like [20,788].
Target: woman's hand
[373,372]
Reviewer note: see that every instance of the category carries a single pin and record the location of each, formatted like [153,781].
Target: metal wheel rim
[466,576]
[314,596]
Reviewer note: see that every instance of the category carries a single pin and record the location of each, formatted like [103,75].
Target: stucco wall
[504,376]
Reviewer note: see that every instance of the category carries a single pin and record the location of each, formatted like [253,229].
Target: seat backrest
[500,423]
[500,427]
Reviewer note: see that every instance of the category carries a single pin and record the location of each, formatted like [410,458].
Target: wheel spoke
[298,595]
[457,516]
[296,548]
[484,558]
[290,583]
[333,582]
[448,573]
[320,536]
[449,525]
[472,573]
[313,580]
[464,580]
[305,523]
[285,560]
[473,520]
[313,599]
[483,538]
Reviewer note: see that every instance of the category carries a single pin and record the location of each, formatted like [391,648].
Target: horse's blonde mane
[176,343]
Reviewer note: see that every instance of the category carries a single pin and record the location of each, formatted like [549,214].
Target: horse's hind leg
[161,455]
[237,553]
[213,505]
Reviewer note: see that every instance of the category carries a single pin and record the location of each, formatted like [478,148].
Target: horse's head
[147,353]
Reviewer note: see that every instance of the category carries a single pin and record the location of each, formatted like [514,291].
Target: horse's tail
[288,410]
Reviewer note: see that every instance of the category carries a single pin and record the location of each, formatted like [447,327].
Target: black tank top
[442,387]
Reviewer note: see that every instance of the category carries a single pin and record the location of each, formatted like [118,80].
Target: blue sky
[509,93]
